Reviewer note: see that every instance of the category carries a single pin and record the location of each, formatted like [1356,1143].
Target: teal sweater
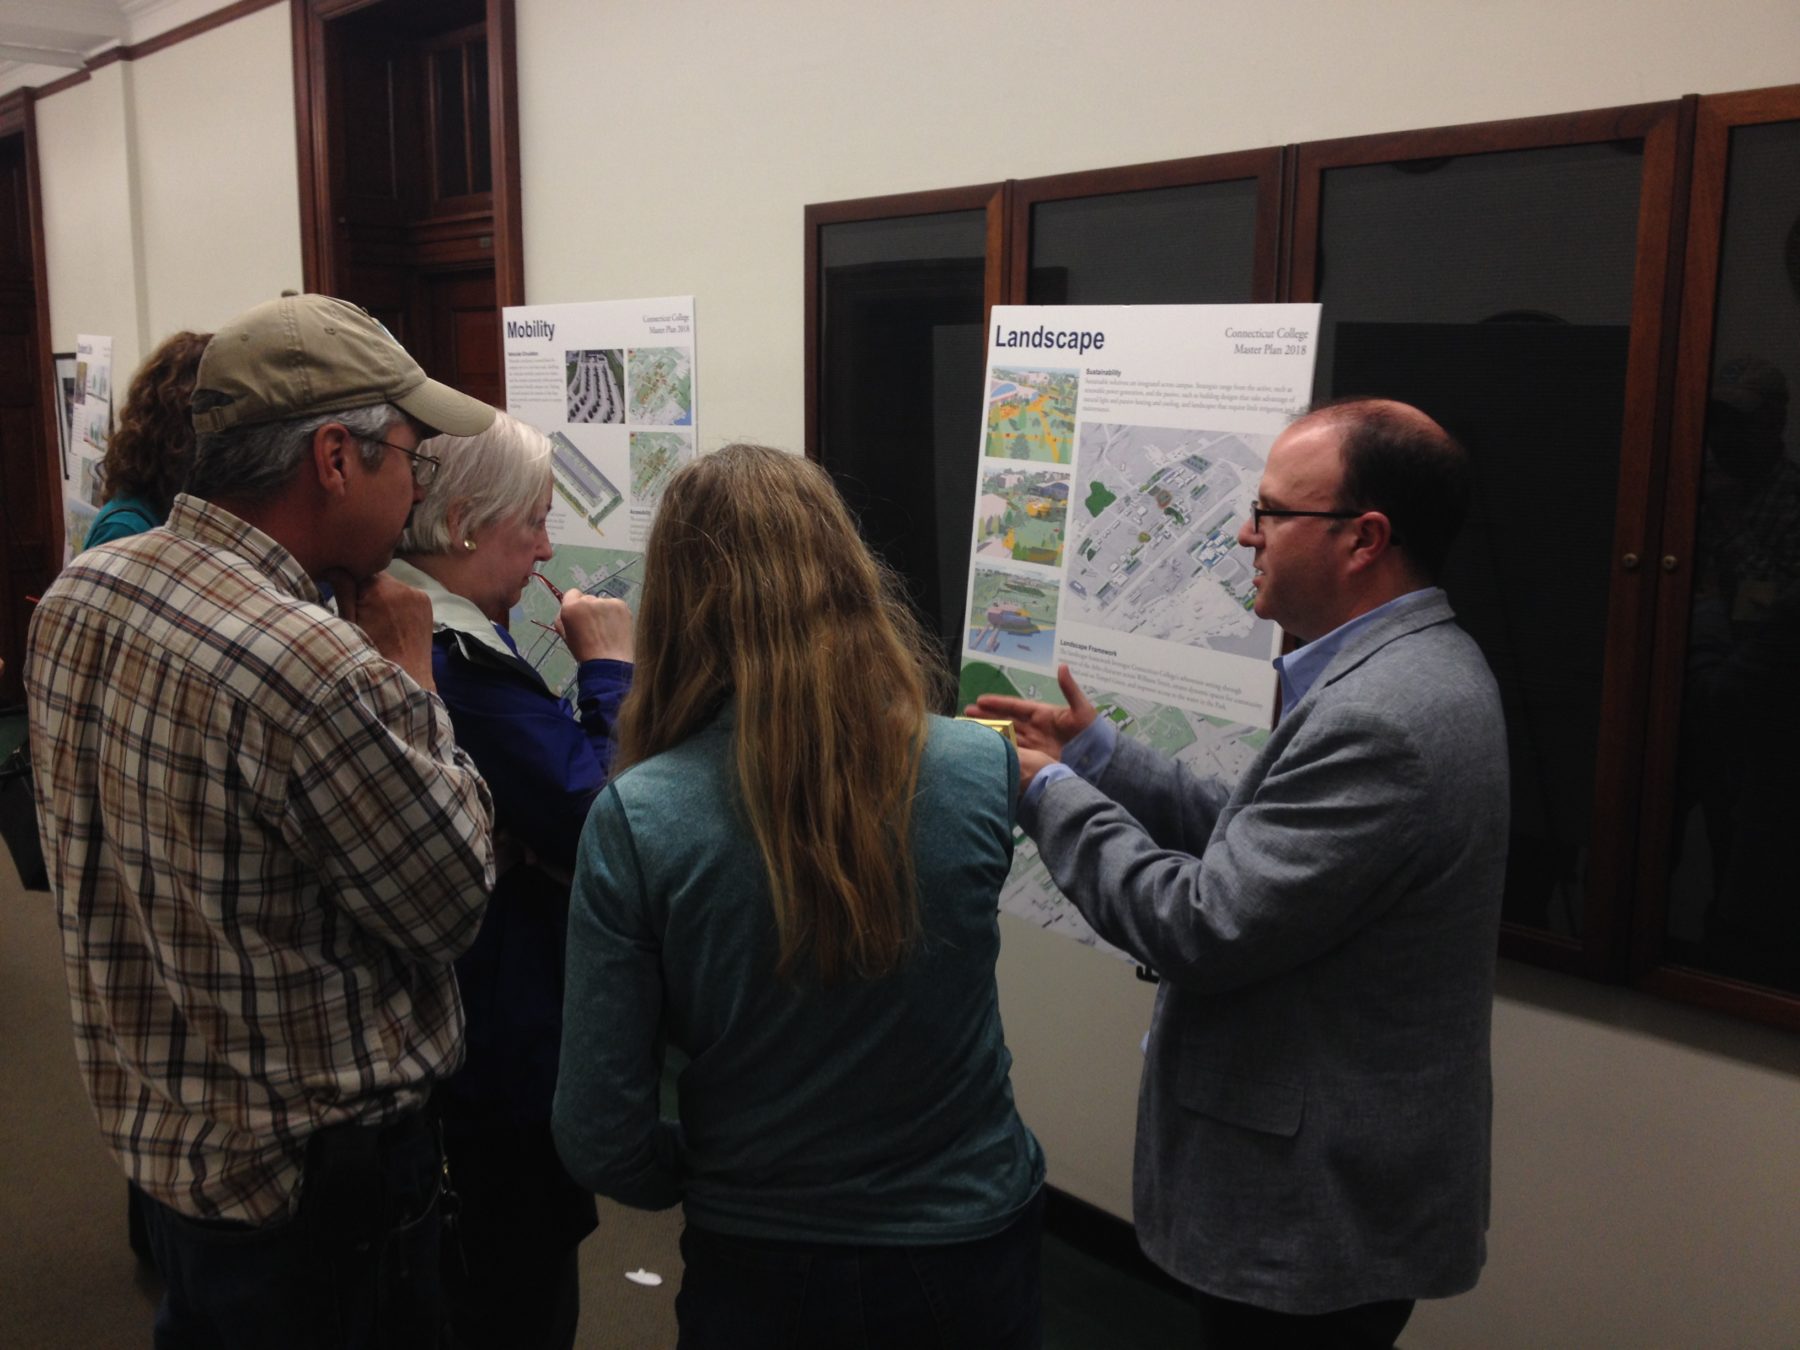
[869,1113]
[121,518]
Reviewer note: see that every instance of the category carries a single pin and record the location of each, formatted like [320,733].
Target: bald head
[1400,462]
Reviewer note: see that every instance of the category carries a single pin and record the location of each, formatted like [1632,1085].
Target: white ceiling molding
[43,40]
[41,56]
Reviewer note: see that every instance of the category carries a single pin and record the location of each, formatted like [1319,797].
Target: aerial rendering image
[1022,514]
[1012,616]
[661,381]
[595,381]
[1031,415]
[655,455]
[589,493]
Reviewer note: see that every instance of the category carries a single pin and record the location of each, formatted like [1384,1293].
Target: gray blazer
[1314,1119]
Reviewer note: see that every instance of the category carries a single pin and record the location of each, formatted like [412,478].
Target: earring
[469,545]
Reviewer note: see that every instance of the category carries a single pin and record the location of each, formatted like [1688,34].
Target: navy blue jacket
[544,768]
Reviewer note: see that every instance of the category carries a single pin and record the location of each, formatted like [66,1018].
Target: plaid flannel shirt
[266,850]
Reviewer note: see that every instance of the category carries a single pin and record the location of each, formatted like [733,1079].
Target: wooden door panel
[464,327]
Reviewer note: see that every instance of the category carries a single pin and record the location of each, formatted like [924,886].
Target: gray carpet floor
[68,1281]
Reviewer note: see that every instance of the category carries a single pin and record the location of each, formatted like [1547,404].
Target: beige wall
[1646,1168]
[219,187]
[90,236]
[672,148]
[171,196]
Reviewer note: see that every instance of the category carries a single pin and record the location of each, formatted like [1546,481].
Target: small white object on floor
[642,1276]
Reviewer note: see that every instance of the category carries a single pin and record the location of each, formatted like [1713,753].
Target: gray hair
[253,463]
[498,474]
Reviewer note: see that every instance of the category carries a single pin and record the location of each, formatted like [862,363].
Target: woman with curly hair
[147,458]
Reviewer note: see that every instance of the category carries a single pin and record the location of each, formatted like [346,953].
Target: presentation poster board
[1121,447]
[65,408]
[90,426]
[612,383]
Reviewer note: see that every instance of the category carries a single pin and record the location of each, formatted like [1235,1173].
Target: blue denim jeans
[357,1266]
[752,1294]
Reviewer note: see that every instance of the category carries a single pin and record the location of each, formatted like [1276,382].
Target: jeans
[357,1266]
[513,1280]
[754,1294]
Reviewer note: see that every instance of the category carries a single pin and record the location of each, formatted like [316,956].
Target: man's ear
[332,449]
[1371,536]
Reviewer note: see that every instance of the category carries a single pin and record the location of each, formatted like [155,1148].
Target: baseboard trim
[1103,1236]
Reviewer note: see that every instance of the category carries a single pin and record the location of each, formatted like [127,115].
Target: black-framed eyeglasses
[1258,511]
[424,467]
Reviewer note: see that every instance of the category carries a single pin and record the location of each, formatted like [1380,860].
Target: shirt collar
[208,523]
[1300,669]
[450,610]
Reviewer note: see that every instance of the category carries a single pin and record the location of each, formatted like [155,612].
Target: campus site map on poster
[1121,450]
[612,384]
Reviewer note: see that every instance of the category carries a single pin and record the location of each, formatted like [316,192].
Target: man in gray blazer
[1314,1118]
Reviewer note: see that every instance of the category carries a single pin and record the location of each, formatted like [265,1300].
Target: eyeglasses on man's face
[424,467]
[1259,513]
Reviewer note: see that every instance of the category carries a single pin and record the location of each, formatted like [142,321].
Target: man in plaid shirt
[265,845]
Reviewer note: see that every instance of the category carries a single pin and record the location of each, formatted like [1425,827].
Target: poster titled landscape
[1110,492]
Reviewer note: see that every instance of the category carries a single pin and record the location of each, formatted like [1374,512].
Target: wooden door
[462,323]
[27,518]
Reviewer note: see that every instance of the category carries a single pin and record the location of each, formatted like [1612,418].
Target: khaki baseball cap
[308,354]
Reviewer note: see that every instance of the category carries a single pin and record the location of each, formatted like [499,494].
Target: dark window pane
[1164,246]
[447,109]
[1732,906]
[1494,291]
[480,158]
[901,368]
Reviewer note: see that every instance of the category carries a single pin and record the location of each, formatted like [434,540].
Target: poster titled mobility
[612,384]
[1121,447]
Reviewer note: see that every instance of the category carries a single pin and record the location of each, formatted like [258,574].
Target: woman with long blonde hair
[793,878]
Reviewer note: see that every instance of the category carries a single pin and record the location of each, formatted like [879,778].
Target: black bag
[18,811]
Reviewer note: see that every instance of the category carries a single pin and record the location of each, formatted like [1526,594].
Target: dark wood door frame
[318,248]
[33,549]
[1267,167]
[1689,390]
[993,198]
[1666,130]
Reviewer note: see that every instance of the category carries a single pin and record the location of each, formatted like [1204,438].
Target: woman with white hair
[472,546]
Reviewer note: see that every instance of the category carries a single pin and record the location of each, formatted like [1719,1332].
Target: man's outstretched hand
[1041,729]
